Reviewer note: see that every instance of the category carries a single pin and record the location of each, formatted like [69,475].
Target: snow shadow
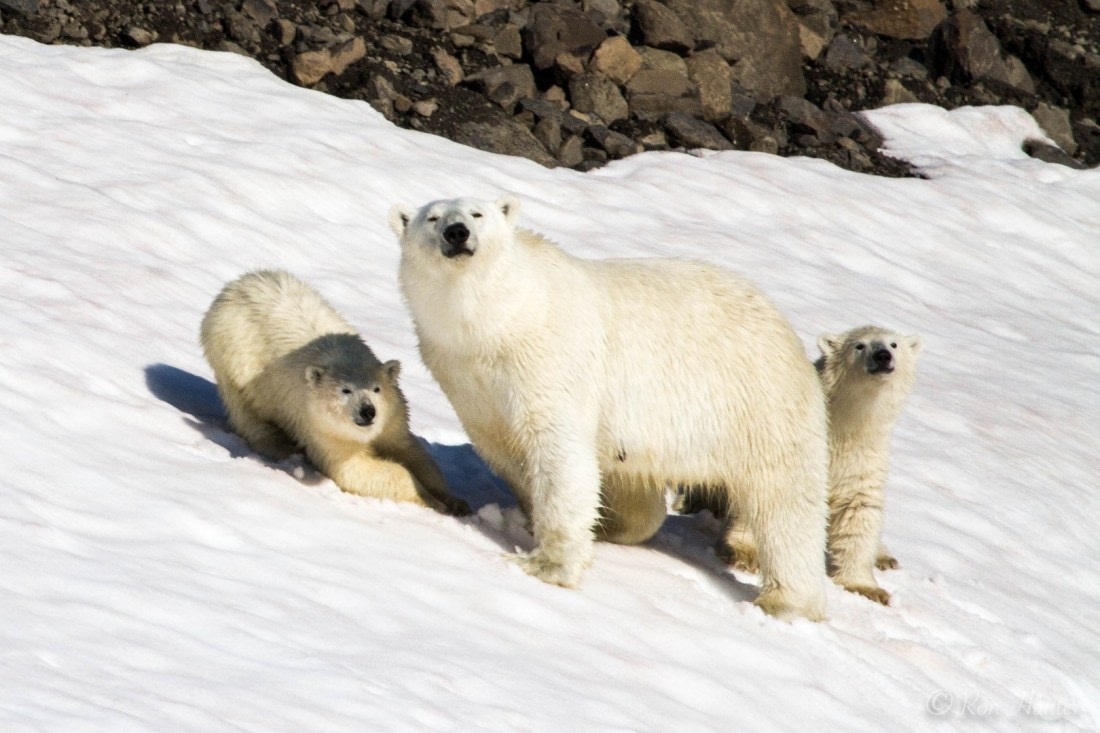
[691,539]
[197,398]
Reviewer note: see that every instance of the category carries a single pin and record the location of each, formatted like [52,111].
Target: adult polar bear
[638,373]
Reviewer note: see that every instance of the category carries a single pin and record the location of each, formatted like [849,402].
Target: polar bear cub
[867,374]
[569,374]
[293,374]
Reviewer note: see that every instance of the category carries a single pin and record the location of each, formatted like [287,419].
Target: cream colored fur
[293,373]
[863,408]
[638,373]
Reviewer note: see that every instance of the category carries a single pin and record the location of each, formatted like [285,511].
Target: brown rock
[507,137]
[759,37]
[346,54]
[817,20]
[912,19]
[507,42]
[555,29]
[505,85]
[571,152]
[241,28]
[964,49]
[844,54]
[569,64]
[137,36]
[448,66]
[687,132]
[894,92]
[1056,123]
[659,27]
[615,144]
[653,58]
[600,96]
[710,74]
[615,59]
[309,67]
[659,81]
[284,32]
[653,93]
[262,11]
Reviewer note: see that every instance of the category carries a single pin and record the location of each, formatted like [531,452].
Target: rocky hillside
[580,82]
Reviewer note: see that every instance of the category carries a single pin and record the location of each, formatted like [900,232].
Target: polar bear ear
[916,343]
[314,375]
[392,369]
[830,344]
[400,216]
[509,206]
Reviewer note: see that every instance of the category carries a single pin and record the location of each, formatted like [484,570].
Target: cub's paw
[870,591]
[549,570]
[778,605]
[455,507]
[886,562]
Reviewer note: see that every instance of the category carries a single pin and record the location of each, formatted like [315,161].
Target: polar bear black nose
[366,415]
[882,357]
[456,234]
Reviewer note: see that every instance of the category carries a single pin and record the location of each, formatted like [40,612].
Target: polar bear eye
[345,390]
[433,218]
[860,347]
[893,344]
[377,390]
[476,214]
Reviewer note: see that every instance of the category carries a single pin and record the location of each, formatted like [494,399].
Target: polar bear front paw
[550,570]
[870,591]
[886,562]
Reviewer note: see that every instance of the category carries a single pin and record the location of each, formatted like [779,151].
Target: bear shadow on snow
[197,398]
[691,539]
[686,539]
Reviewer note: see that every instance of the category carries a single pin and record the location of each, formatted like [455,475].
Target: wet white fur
[863,409]
[639,373]
[267,337]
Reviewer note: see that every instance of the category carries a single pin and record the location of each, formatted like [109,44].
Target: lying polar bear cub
[293,374]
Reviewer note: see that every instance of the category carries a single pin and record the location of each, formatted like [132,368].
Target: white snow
[156,576]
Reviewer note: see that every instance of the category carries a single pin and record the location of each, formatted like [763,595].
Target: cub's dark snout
[456,236]
[366,415]
[881,361]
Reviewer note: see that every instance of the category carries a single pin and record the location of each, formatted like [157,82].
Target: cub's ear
[400,216]
[830,344]
[314,375]
[509,206]
[916,343]
[392,369]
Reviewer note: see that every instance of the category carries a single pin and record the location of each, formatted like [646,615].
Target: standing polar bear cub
[292,373]
[866,373]
[574,376]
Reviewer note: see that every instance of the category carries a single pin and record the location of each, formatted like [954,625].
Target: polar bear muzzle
[880,361]
[365,416]
[455,239]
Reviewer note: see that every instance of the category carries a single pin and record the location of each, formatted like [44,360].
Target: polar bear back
[260,318]
[712,346]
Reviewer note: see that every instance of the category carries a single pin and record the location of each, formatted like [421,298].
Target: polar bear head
[350,394]
[868,352]
[455,229]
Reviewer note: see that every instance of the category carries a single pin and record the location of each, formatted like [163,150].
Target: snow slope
[155,576]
